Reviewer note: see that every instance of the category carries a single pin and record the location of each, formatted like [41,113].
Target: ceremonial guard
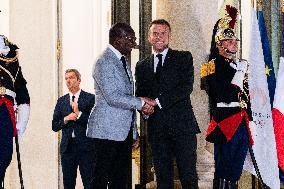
[13,93]
[225,79]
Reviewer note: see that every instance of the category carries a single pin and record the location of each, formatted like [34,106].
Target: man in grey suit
[112,120]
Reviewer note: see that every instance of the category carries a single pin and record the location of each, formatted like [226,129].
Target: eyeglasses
[130,38]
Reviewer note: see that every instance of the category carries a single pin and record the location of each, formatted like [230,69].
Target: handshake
[148,107]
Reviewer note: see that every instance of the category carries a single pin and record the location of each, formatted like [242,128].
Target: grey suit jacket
[112,114]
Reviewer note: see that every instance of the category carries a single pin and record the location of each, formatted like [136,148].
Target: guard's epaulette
[207,68]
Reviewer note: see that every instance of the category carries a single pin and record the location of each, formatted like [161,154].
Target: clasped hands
[149,105]
[74,114]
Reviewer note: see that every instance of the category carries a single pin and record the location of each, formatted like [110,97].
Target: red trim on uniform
[10,108]
[230,125]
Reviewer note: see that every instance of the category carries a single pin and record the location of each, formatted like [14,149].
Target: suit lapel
[119,65]
[150,67]
[67,104]
[168,59]
[129,72]
[81,98]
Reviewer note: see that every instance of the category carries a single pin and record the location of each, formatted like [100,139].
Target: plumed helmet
[226,25]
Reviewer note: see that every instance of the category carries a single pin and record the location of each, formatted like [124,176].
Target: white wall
[4,17]
[85,34]
[33,29]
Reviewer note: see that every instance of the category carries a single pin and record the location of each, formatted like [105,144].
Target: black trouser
[71,160]
[112,164]
[183,148]
[6,141]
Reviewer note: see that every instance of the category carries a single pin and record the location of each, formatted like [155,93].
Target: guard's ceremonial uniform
[227,86]
[229,126]
[229,104]
[13,91]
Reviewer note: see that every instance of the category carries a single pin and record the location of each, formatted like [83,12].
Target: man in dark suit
[167,77]
[71,115]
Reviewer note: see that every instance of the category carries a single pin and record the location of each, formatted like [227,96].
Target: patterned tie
[159,65]
[124,66]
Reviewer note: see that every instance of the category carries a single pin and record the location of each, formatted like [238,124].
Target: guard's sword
[19,161]
[18,154]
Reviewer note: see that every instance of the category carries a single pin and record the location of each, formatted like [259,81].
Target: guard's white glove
[22,119]
[3,48]
[241,67]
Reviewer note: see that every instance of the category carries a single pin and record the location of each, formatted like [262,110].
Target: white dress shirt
[75,100]
[156,60]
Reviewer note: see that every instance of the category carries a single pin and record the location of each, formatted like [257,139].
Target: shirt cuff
[143,102]
[79,115]
[158,102]
[145,116]
[65,121]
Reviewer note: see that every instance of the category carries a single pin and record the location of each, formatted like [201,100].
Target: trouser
[224,184]
[230,157]
[6,141]
[113,163]
[183,148]
[74,158]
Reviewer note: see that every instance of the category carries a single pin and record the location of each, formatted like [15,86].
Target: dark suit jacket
[63,108]
[173,90]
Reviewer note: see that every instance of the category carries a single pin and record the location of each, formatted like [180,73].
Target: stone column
[120,11]
[192,22]
[145,12]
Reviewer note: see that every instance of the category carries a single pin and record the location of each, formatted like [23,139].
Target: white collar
[76,95]
[164,53]
[115,51]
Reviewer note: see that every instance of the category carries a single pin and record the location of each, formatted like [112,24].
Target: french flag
[278,109]
[278,114]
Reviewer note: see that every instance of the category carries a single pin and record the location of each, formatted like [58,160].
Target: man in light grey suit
[112,120]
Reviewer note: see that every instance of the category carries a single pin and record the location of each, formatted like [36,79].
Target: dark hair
[214,50]
[118,30]
[77,73]
[160,22]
